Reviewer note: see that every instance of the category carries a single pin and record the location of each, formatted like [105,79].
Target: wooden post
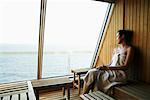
[41,37]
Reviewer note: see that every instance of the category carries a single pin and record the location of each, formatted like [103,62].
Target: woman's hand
[98,67]
[103,67]
[106,67]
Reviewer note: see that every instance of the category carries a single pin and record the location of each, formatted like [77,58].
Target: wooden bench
[63,82]
[133,91]
[98,95]
[130,91]
[17,91]
[78,73]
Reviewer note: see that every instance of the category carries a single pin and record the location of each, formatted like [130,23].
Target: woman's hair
[127,35]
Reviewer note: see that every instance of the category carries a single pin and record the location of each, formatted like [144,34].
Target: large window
[72,29]
[19,27]
[71,32]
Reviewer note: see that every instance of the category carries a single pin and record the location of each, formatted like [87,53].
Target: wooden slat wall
[109,41]
[136,17]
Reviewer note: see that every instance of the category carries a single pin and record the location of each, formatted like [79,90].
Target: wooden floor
[57,95]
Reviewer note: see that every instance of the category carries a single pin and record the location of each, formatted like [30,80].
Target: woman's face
[118,38]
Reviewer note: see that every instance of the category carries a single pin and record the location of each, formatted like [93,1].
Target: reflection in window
[71,33]
[18,39]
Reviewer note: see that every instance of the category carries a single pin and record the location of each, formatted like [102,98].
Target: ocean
[18,66]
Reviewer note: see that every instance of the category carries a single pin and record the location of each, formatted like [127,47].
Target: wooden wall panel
[109,42]
[134,17]
[148,44]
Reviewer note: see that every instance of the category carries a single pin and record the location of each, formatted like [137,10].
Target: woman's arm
[129,57]
[114,67]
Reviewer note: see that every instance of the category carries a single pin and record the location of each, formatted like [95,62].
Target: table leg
[79,84]
[68,92]
[63,90]
[74,77]
[36,94]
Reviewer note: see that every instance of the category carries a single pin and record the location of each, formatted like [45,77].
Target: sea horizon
[22,64]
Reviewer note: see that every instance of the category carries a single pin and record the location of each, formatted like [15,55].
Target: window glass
[19,26]
[71,32]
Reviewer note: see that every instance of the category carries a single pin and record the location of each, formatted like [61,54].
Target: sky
[74,23]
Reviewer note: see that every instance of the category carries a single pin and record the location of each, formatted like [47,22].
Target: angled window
[72,29]
[19,27]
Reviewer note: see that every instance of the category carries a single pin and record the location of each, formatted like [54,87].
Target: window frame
[102,34]
[41,36]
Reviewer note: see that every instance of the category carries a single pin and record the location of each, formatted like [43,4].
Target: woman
[105,76]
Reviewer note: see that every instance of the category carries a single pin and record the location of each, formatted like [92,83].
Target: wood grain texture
[17,91]
[135,17]
[57,95]
[134,91]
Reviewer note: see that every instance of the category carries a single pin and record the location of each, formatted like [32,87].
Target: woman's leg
[89,80]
